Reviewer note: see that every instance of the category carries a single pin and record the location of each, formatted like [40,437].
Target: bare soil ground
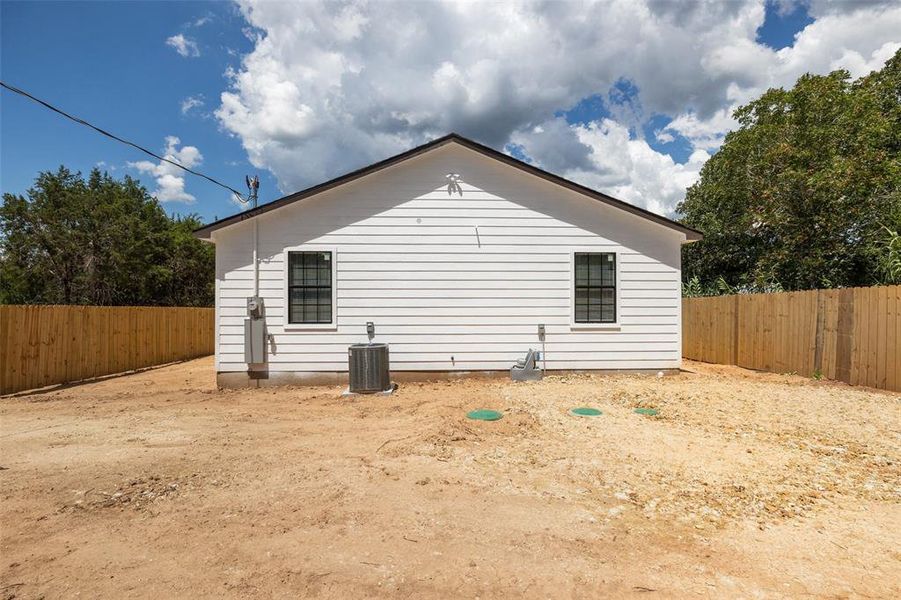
[157,485]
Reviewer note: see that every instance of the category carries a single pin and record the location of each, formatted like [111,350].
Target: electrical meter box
[255,307]
[255,332]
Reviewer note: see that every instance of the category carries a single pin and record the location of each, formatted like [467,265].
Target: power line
[21,92]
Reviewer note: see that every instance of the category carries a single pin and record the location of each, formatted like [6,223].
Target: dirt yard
[156,485]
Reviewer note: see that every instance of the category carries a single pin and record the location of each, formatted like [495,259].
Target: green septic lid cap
[585,412]
[484,415]
[651,412]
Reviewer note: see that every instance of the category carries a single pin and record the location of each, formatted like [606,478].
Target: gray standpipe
[541,335]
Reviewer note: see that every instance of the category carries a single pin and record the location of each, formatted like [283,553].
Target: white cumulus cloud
[170,180]
[190,103]
[200,22]
[706,134]
[330,87]
[602,155]
[184,45]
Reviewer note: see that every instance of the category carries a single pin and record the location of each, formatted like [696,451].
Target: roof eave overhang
[206,231]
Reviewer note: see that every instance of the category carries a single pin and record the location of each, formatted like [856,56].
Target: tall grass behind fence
[44,345]
[852,335]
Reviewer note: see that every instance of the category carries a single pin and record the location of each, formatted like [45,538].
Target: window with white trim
[310,287]
[594,283]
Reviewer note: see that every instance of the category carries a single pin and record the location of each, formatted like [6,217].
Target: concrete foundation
[258,379]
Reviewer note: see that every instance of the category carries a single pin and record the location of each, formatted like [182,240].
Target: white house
[456,253]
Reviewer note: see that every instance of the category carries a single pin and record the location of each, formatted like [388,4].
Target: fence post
[735,322]
[844,339]
[818,336]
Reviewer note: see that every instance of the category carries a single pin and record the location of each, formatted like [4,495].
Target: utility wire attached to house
[241,197]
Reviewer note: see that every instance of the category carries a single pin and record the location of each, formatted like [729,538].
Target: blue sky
[108,63]
[308,89]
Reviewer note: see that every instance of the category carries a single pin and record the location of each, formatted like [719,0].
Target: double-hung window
[594,287]
[311,287]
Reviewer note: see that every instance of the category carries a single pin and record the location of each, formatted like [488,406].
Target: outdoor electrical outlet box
[370,329]
[541,332]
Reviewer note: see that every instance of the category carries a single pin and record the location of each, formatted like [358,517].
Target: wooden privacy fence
[852,335]
[43,345]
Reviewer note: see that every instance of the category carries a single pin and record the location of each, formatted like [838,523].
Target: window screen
[595,287]
[309,287]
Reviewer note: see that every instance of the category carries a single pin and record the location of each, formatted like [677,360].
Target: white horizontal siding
[443,350]
[481,336]
[481,364]
[456,329]
[455,283]
[275,322]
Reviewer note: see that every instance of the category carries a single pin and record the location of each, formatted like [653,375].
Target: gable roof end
[205,231]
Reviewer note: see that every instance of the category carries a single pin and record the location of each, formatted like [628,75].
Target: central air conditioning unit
[368,367]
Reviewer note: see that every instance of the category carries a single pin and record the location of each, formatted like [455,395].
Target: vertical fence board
[893,340]
[861,337]
[852,335]
[880,300]
[872,337]
[44,345]
[34,347]
[891,345]
[779,344]
[830,332]
[4,358]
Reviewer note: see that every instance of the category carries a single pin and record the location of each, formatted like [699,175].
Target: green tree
[99,241]
[187,277]
[888,253]
[801,194]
